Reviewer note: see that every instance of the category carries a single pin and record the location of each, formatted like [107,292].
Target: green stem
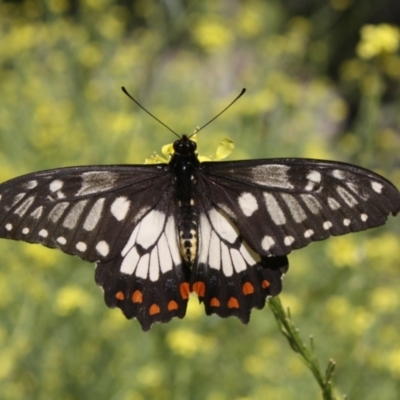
[307,355]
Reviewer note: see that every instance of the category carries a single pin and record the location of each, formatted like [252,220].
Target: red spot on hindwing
[199,288]
[154,309]
[172,305]
[120,296]
[265,284]
[137,296]
[233,303]
[215,302]
[184,290]
[247,288]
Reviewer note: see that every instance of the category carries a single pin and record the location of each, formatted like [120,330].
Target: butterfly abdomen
[187,226]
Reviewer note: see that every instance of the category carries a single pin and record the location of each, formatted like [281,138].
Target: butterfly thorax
[184,164]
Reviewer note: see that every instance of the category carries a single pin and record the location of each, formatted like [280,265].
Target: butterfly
[220,229]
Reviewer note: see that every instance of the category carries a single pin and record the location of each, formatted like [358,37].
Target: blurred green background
[322,81]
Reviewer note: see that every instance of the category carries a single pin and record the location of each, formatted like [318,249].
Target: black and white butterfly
[220,229]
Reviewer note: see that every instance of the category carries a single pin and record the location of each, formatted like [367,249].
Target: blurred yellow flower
[212,35]
[385,299]
[393,361]
[378,39]
[250,22]
[71,298]
[344,251]
[187,343]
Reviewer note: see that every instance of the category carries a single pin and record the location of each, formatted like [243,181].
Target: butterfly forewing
[86,211]
[285,204]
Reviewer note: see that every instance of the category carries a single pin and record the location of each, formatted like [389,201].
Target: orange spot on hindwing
[137,296]
[233,303]
[265,284]
[199,288]
[185,290]
[154,309]
[172,305]
[214,302]
[120,296]
[247,288]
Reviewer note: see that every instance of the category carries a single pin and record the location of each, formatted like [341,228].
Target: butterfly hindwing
[284,204]
[229,277]
[148,280]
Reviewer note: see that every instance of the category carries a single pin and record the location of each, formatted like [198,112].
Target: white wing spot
[103,248]
[154,272]
[81,246]
[72,219]
[288,240]
[338,174]
[312,203]
[23,208]
[333,204]
[346,196]
[56,185]
[364,217]
[17,198]
[274,210]
[62,240]
[96,181]
[354,188]
[346,222]
[248,204]
[314,176]
[377,187]
[120,208]
[273,175]
[249,255]
[267,242]
[227,267]
[142,269]
[308,233]
[43,233]
[129,263]
[204,238]
[295,208]
[57,211]
[9,227]
[170,234]
[94,215]
[150,228]
[165,251]
[25,231]
[238,262]
[31,184]
[327,224]
[37,213]
[214,252]
[223,226]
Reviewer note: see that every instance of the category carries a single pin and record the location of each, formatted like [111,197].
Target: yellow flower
[378,39]
[224,149]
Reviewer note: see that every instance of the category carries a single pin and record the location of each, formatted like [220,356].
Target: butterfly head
[185,147]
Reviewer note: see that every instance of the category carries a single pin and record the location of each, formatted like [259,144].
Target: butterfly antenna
[148,112]
[197,130]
